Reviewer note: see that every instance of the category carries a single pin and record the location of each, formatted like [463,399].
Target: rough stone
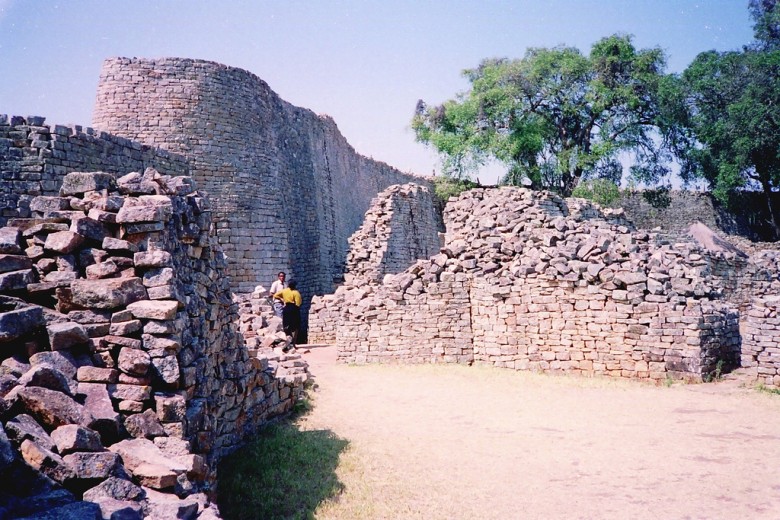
[72,437]
[109,293]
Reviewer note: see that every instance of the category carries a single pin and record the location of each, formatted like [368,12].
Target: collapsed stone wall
[551,285]
[287,188]
[401,226]
[124,375]
[35,156]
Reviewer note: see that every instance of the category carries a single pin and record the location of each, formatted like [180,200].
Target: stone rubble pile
[528,280]
[265,337]
[124,377]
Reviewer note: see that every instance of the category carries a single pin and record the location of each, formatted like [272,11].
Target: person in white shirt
[276,287]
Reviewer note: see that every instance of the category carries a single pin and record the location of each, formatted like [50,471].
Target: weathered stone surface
[19,320]
[102,270]
[7,383]
[120,509]
[134,361]
[74,511]
[148,465]
[92,465]
[154,310]
[7,452]
[141,213]
[117,245]
[114,488]
[154,258]
[164,505]
[88,374]
[45,461]
[170,408]
[46,376]
[98,403]
[14,263]
[129,392]
[157,277]
[65,335]
[166,368]
[72,437]
[63,242]
[53,409]
[144,425]
[24,427]
[77,183]
[109,293]
[63,360]
[10,238]
[16,280]
[89,228]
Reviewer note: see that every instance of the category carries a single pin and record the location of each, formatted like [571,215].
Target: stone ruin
[531,281]
[125,371]
[128,367]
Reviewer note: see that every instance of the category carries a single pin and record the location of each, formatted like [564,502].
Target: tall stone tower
[287,188]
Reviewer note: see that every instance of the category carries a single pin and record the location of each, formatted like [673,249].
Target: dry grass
[443,442]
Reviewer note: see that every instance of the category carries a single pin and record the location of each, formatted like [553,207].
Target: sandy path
[474,442]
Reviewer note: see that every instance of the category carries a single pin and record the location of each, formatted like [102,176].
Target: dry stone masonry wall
[401,226]
[761,339]
[124,374]
[544,284]
[34,157]
[288,190]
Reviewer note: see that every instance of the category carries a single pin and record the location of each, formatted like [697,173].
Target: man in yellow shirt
[291,314]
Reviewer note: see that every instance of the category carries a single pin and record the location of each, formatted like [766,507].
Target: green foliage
[658,198]
[552,117]
[601,191]
[761,387]
[445,187]
[766,18]
[730,128]
[284,473]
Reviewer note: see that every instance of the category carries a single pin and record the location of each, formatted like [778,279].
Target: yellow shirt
[288,295]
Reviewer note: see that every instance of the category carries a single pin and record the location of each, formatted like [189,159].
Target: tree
[766,28]
[553,117]
[730,121]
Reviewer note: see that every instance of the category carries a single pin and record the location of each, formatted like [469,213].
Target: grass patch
[761,387]
[283,473]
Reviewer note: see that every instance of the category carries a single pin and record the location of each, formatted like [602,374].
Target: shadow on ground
[283,473]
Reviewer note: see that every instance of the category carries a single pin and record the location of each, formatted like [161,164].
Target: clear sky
[363,62]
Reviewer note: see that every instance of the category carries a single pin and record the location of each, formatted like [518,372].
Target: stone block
[108,293]
[77,183]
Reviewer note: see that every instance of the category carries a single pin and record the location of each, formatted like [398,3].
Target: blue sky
[365,63]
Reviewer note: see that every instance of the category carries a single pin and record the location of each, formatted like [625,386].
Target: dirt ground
[475,442]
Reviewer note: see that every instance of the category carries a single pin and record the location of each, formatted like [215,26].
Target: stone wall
[287,188]
[34,157]
[401,226]
[546,284]
[761,339]
[118,324]
[675,210]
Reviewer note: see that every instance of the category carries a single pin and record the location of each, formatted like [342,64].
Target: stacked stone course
[400,227]
[287,188]
[124,375]
[761,339]
[543,284]
[35,156]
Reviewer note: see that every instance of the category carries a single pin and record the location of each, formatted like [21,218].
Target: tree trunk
[772,217]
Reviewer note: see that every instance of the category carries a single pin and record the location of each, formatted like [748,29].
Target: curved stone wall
[288,190]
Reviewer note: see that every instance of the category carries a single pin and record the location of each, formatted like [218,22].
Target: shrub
[601,191]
